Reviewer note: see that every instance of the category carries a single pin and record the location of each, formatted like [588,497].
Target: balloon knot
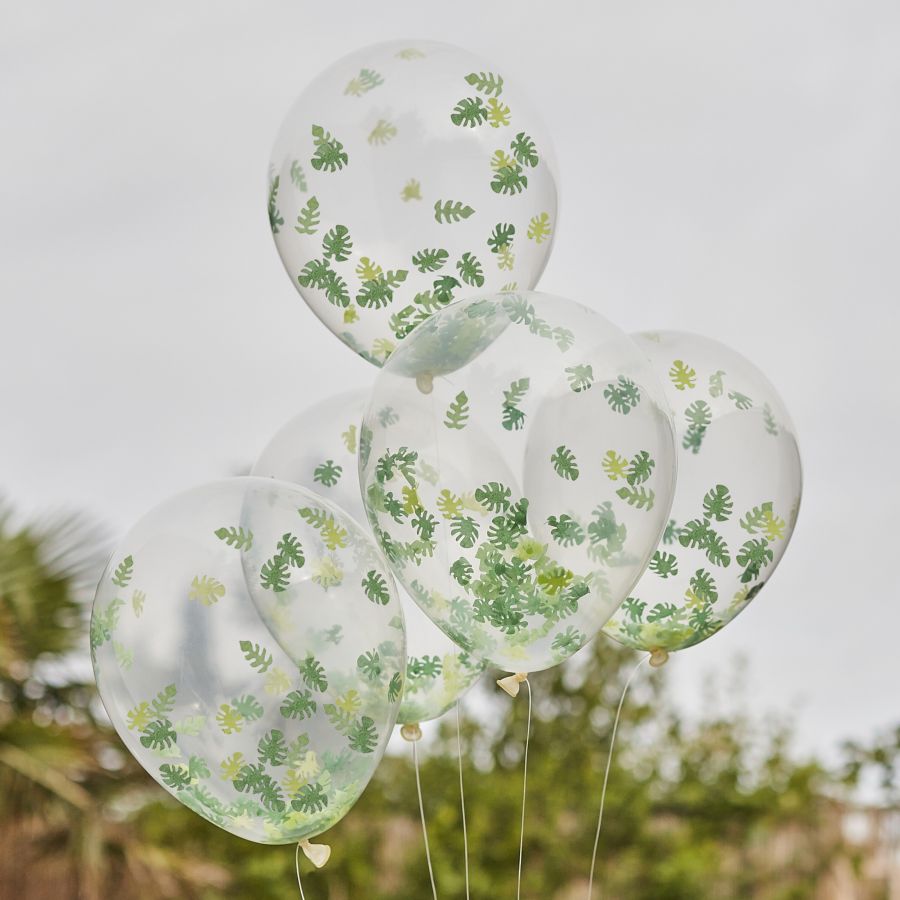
[317,854]
[511,683]
[425,382]
[411,732]
[658,657]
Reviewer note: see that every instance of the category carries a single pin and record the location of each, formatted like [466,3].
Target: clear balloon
[272,740]
[736,502]
[405,176]
[318,449]
[491,493]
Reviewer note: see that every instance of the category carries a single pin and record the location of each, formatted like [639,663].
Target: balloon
[317,449]
[200,691]
[489,494]
[736,502]
[405,176]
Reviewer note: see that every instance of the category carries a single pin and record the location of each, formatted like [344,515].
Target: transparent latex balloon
[490,494]
[318,449]
[201,692]
[405,176]
[736,502]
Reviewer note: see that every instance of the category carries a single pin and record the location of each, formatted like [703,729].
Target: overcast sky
[726,168]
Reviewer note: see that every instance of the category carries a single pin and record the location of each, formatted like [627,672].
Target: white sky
[727,168]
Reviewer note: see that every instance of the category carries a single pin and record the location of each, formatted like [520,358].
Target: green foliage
[566,531]
[315,274]
[329,155]
[741,401]
[235,537]
[275,219]
[412,190]
[615,466]
[717,551]
[699,810]
[308,218]
[457,415]
[682,376]
[164,702]
[509,180]
[464,530]
[206,590]
[581,377]
[524,150]
[639,497]
[379,291]
[704,586]
[564,463]
[337,244]
[462,571]
[539,228]
[272,748]
[273,575]
[383,132]
[375,587]
[298,705]
[501,237]
[123,573]
[248,706]
[717,503]
[158,735]
[469,112]
[298,176]
[470,270]
[367,80]
[622,395]
[699,414]
[290,550]
[424,523]
[494,496]
[447,211]
[328,473]
[661,611]
[640,468]
[769,419]
[498,113]
[333,535]
[695,534]
[369,665]
[486,83]
[395,687]
[175,777]
[258,657]
[430,260]
[754,555]
[311,798]
[513,417]
[313,674]
[363,735]
[664,564]
[716,385]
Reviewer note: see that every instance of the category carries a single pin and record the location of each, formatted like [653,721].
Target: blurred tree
[714,809]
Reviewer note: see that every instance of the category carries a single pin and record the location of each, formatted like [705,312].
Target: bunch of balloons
[528,473]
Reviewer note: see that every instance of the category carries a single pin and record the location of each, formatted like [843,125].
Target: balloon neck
[317,854]
[658,657]
[425,382]
[411,732]
[511,683]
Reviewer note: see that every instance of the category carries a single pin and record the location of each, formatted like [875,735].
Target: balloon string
[524,793]
[297,866]
[462,797]
[612,743]
[422,813]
